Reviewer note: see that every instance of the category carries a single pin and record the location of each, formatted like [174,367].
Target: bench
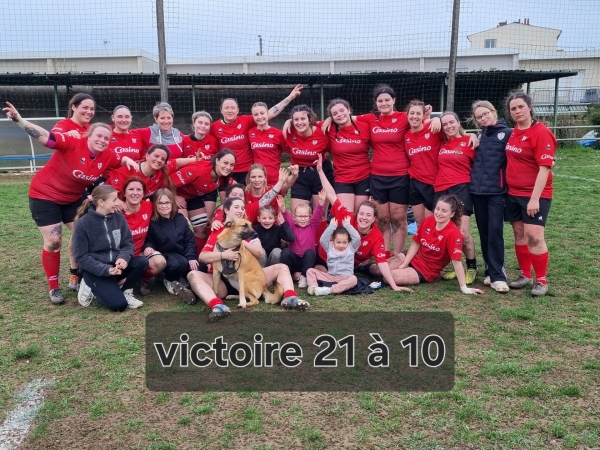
[32,160]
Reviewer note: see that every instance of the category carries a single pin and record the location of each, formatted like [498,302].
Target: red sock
[200,242]
[540,265]
[214,302]
[524,259]
[147,275]
[290,293]
[51,265]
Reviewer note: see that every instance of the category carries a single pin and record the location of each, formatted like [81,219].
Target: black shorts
[358,188]
[515,210]
[462,191]
[364,268]
[230,289]
[420,275]
[46,212]
[309,183]
[195,203]
[390,189]
[239,177]
[421,194]
[211,196]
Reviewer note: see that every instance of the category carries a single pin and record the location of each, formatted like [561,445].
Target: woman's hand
[12,113]
[230,255]
[322,196]
[180,201]
[216,225]
[280,203]
[193,264]
[326,125]
[120,206]
[435,125]
[402,288]
[121,264]
[73,133]
[333,222]
[199,156]
[470,291]
[280,219]
[130,163]
[294,170]
[319,163]
[283,175]
[473,141]
[533,207]
[148,251]
[296,92]
[287,127]
[115,271]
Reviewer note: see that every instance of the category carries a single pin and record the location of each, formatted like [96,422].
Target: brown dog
[245,274]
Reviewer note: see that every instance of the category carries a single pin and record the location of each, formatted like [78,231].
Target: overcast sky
[230,27]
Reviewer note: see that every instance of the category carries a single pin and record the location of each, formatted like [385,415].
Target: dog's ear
[230,224]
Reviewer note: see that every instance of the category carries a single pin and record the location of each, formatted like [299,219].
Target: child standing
[271,233]
[340,243]
[301,256]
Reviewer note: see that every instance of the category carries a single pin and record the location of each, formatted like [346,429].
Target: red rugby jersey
[387,140]
[267,146]
[234,136]
[371,244]
[117,177]
[350,149]
[195,180]
[70,170]
[138,224]
[422,149]
[252,205]
[127,144]
[303,150]
[455,161]
[526,151]
[68,124]
[438,248]
[208,146]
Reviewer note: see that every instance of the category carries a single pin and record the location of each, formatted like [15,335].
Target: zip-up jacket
[271,238]
[488,176]
[340,263]
[172,236]
[99,240]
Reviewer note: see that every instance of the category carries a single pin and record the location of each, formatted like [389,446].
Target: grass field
[527,373]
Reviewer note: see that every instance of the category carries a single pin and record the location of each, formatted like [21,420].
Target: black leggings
[298,263]
[107,290]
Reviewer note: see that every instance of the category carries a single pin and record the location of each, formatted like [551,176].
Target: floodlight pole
[162,52]
[453,48]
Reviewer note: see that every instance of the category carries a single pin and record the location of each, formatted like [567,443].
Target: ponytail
[99,193]
[456,207]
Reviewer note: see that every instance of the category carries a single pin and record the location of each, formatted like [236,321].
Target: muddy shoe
[539,289]
[132,302]
[470,275]
[449,276]
[294,303]
[500,286]
[521,282]
[56,297]
[219,312]
[176,288]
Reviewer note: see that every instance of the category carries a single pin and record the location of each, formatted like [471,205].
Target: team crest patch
[207,146]
[99,165]
[458,241]
[187,147]
[205,186]
[501,136]
[355,131]
[463,144]
[115,181]
[189,174]
[134,140]
[427,230]
[293,139]
[220,130]
[427,135]
[364,243]
[524,138]
[394,120]
[440,237]
[113,139]
[82,160]
[271,136]
[252,135]
[239,127]
[314,142]
[408,141]
[145,216]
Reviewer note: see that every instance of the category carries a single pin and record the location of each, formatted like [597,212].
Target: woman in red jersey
[455,161]
[232,131]
[305,142]
[437,242]
[124,141]
[56,190]
[80,112]
[266,142]
[530,154]
[163,132]
[371,239]
[259,193]
[138,214]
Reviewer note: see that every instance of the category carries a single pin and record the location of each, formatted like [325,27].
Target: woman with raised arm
[266,142]
[80,112]
[56,190]
[371,239]
[202,283]
[162,131]
[530,155]
[232,131]
[259,193]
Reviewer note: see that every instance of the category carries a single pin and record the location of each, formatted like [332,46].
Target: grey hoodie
[340,264]
[99,240]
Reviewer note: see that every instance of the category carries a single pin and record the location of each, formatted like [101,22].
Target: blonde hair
[481,104]
[256,167]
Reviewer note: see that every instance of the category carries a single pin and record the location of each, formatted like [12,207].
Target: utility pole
[453,52]
[162,52]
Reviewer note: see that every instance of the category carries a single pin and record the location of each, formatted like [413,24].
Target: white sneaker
[84,295]
[487,281]
[132,302]
[169,287]
[312,290]
[500,286]
[322,291]
[302,283]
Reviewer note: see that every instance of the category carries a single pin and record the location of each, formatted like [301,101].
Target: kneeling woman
[202,283]
[103,248]
[170,235]
[437,242]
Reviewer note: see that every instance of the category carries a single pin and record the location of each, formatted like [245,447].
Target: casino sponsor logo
[299,151]
[140,230]
[500,136]
[419,149]
[82,176]
[342,140]
[546,156]
[120,150]
[384,130]
[232,139]
[180,177]
[381,255]
[446,151]
[261,145]
[424,243]
[512,148]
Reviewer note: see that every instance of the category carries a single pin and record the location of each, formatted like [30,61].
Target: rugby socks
[524,259]
[147,275]
[214,302]
[289,293]
[51,265]
[472,263]
[73,271]
[540,266]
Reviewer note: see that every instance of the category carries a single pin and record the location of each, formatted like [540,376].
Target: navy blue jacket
[172,236]
[488,176]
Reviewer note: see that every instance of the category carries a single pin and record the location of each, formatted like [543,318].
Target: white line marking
[16,426]
[574,177]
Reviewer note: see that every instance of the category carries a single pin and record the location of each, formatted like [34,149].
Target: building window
[490,43]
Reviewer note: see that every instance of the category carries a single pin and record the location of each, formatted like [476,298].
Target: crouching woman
[103,249]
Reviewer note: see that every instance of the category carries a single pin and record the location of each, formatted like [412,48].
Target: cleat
[219,312]
[56,297]
[295,303]
[470,275]
[450,276]
[176,288]
[487,281]
[539,289]
[144,289]
[521,282]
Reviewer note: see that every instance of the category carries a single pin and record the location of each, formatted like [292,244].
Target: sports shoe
[315,290]
[144,289]
[500,286]
[450,276]
[132,302]
[539,289]
[56,297]
[521,282]
[219,312]
[302,283]
[470,275]
[375,285]
[311,290]
[176,288]
[85,295]
[487,281]
[294,303]
[74,282]
[184,282]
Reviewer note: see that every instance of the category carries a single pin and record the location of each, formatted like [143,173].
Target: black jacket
[172,236]
[270,238]
[488,176]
